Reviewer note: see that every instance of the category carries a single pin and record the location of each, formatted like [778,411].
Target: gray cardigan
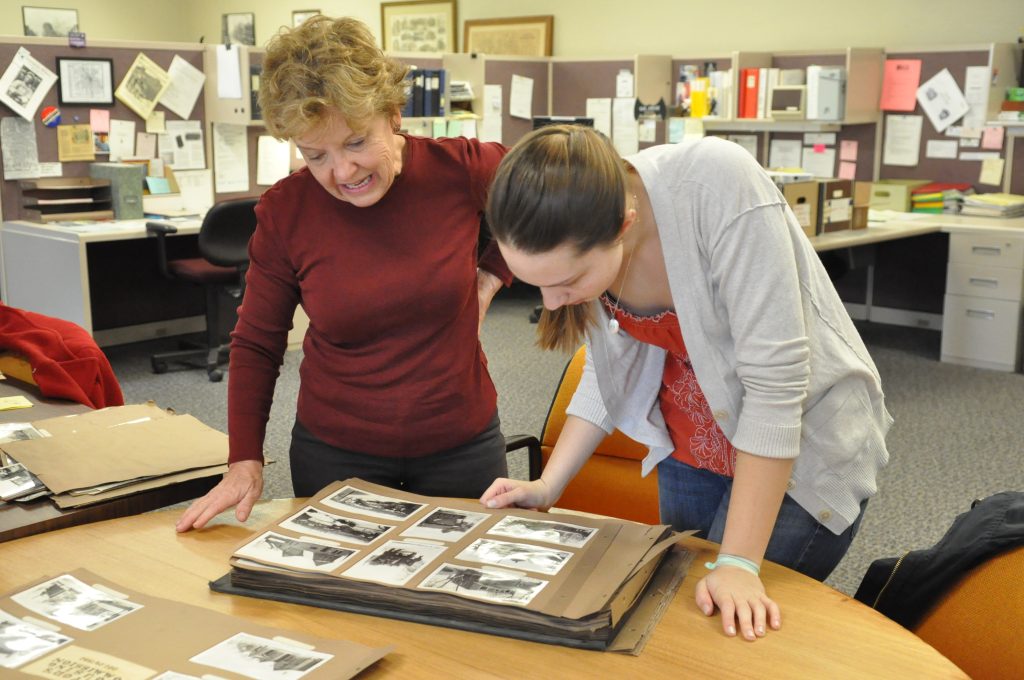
[780,362]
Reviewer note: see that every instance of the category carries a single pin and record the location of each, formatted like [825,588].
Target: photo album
[561,578]
[77,625]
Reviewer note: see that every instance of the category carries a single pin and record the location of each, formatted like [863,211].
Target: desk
[51,269]
[46,269]
[825,633]
[32,517]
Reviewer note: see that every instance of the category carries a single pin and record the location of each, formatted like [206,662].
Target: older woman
[377,239]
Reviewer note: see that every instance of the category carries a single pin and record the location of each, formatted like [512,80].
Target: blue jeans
[691,498]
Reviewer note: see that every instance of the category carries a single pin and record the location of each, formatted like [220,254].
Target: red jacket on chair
[66,362]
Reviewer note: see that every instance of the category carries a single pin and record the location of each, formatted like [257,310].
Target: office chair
[610,482]
[220,270]
[964,595]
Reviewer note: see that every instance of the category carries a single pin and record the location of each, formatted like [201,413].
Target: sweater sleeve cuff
[591,410]
[766,440]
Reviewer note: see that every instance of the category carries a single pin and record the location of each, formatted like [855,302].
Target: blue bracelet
[726,560]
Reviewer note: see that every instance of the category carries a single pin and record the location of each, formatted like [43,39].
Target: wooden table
[825,633]
[18,520]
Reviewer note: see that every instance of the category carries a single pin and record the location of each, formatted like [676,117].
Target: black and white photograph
[395,562]
[16,481]
[570,535]
[25,83]
[49,22]
[142,86]
[484,584]
[238,28]
[295,553]
[299,16]
[70,601]
[515,555]
[20,641]
[446,524]
[262,658]
[366,503]
[85,81]
[18,432]
[310,520]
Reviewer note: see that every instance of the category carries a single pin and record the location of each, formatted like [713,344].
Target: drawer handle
[986,250]
[987,283]
[981,313]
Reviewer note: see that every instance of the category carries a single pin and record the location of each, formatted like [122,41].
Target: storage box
[126,181]
[861,205]
[835,204]
[803,200]
[894,194]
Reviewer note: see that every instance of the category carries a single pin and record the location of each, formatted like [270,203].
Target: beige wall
[598,28]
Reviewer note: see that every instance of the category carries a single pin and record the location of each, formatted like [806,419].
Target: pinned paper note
[991,171]
[942,100]
[941,148]
[99,120]
[848,150]
[902,145]
[899,84]
[520,102]
[847,170]
[992,137]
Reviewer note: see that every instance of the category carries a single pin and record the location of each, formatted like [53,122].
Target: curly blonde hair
[327,67]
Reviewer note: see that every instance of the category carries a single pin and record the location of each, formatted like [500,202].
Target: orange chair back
[975,624]
[610,482]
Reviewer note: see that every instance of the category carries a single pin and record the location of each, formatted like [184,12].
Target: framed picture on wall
[238,28]
[418,26]
[49,22]
[299,16]
[520,36]
[85,81]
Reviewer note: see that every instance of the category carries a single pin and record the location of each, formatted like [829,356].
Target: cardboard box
[835,204]
[861,205]
[803,200]
[894,194]
[126,182]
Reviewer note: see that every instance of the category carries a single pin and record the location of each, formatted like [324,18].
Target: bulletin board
[499,72]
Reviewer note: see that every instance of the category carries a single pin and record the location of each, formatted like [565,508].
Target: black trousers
[462,472]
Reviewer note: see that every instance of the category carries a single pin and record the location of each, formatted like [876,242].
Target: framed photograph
[519,36]
[419,26]
[238,28]
[49,22]
[85,81]
[299,16]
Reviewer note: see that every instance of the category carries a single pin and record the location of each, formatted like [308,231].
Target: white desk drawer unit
[981,319]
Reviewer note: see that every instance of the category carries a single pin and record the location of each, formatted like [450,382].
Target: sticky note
[12,403]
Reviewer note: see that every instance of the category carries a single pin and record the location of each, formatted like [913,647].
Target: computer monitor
[543,121]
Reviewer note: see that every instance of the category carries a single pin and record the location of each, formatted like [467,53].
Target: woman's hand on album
[515,493]
[742,600]
[240,488]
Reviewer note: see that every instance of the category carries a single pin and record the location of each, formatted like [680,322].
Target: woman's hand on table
[240,488]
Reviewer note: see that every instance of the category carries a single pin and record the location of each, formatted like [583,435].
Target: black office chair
[220,270]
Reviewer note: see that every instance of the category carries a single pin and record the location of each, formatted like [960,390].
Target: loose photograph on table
[319,523]
[262,658]
[571,535]
[515,555]
[366,503]
[18,432]
[295,553]
[484,584]
[16,481]
[20,641]
[74,603]
[446,524]
[395,562]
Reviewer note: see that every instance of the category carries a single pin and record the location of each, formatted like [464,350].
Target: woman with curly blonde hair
[377,239]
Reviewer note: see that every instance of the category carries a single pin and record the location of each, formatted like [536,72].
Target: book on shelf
[81,625]
[550,577]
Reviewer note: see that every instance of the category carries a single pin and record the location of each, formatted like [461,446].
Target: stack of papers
[994,205]
[109,453]
[939,197]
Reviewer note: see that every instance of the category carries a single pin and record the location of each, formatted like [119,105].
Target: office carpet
[958,433]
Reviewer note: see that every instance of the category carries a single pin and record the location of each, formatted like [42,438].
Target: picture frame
[238,28]
[299,16]
[419,26]
[85,81]
[49,22]
[518,36]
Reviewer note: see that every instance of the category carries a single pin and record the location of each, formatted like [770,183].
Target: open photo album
[552,577]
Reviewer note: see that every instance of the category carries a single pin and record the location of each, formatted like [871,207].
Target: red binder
[748,92]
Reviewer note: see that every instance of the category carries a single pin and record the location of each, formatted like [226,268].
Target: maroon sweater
[392,361]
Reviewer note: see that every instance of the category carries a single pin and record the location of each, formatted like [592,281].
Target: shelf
[66,198]
[768,125]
